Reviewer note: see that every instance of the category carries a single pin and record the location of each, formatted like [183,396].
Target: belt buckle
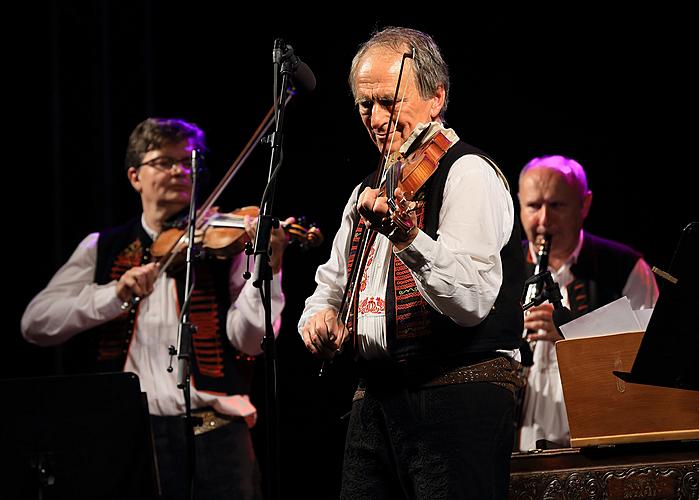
[210,420]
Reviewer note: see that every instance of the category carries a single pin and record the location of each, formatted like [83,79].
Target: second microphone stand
[263,272]
[186,329]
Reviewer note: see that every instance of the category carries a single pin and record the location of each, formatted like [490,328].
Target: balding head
[570,169]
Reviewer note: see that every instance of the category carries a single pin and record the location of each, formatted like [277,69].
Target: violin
[223,235]
[410,173]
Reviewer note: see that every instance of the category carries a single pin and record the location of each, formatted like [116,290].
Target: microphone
[302,74]
[298,70]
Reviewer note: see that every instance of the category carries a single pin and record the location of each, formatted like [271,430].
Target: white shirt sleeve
[71,302]
[245,322]
[460,273]
[641,288]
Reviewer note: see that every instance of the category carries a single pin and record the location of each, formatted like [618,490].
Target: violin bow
[202,218]
[349,303]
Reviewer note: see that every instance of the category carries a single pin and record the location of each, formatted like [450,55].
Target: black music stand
[669,352]
[76,437]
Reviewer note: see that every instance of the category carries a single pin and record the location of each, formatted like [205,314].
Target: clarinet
[542,264]
[527,346]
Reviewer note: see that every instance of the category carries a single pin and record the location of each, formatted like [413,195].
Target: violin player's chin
[380,139]
[180,195]
[181,188]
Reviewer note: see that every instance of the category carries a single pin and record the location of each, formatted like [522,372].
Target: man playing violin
[433,317]
[89,303]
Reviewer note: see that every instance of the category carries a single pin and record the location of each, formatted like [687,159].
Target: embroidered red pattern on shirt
[354,250]
[370,260]
[372,305]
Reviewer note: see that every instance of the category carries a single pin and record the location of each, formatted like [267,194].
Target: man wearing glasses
[90,301]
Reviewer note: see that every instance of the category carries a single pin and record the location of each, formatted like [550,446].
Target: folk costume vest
[216,365]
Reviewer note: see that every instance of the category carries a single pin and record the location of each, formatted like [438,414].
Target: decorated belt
[502,371]
[210,420]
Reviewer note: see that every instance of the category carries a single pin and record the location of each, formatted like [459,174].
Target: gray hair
[431,72]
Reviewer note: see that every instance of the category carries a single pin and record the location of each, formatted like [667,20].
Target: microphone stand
[186,329]
[263,272]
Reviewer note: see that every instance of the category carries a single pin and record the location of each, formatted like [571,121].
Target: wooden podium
[603,409]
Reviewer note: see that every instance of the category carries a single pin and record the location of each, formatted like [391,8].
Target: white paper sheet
[643,317]
[615,317]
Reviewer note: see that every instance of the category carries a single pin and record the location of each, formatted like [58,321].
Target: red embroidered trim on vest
[115,335]
[580,297]
[208,349]
[412,311]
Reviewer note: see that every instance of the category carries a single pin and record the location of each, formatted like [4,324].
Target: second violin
[223,235]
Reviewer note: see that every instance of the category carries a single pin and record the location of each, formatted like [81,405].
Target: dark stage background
[610,91]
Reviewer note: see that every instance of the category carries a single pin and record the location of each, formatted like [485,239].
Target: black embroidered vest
[217,366]
[415,330]
[601,272]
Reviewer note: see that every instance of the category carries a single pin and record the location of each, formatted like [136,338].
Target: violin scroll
[307,236]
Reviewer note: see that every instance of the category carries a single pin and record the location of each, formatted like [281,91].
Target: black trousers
[451,442]
[226,467]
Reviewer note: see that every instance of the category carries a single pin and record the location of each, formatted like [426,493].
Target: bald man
[591,271]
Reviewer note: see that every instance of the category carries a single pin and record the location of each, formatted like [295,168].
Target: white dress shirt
[459,273]
[72,303]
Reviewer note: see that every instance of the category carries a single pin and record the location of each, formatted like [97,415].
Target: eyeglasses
[166,163]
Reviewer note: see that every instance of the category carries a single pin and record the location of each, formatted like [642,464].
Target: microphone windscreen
[304,77]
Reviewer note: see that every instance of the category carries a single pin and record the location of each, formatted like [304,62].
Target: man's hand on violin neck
[377,215]
[374,209]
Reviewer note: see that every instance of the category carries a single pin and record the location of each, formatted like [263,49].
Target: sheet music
[615,317]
